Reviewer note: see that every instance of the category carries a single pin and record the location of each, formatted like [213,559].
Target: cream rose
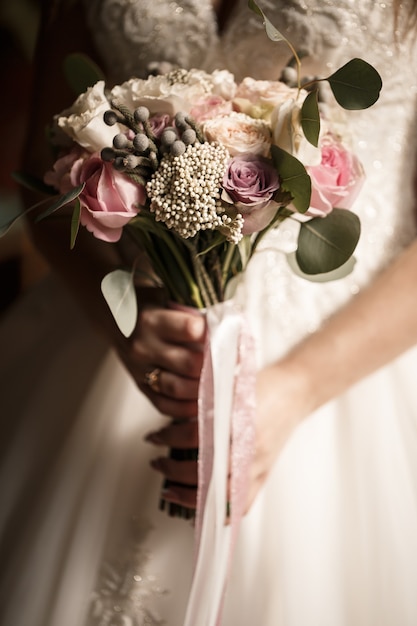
[239,133]
[83,122]
[258,98]
[287,132]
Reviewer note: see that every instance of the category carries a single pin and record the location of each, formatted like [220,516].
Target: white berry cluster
[185,190]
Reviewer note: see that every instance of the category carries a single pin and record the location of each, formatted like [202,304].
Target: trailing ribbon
[226,440]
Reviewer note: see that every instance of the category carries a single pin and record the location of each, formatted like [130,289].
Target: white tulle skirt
[331,540]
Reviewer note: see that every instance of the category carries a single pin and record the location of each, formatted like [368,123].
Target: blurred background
[20,265]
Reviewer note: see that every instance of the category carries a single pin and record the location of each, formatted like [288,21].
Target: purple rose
[251,182]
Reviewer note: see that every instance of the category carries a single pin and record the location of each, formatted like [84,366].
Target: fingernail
[157,465]
[168,493]
[154,437]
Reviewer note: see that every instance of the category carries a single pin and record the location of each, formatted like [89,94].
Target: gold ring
[152,379]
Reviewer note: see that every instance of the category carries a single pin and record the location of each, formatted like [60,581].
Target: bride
[330,535]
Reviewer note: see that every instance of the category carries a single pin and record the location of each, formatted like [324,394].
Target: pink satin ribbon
[226,444]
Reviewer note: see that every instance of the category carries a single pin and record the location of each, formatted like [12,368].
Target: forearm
[375,327]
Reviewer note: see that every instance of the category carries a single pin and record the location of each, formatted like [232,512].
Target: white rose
[239,133]
[83,122]
[172,93]
[224,84]
[287,133]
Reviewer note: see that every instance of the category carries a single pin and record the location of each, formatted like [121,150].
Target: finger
[183,435]
[176,409]
[185,496]
[184,472]
[175,326]
[178,359]
[177,387]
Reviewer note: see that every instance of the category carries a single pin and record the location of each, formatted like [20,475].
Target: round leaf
[310,118]
[293,177]
[119,292]
[81,72]
[324,244]
[337,274]
[356,85]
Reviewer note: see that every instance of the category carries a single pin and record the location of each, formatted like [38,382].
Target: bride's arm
[375,327]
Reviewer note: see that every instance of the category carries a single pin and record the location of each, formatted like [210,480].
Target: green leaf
[119,292]
[81,72]
[326,243]
[293,177]
[245,249]
[310,118]
[62,201]
[75,222]
[356,85]
[340,272]
[272,32]
[33,183]
[8,218]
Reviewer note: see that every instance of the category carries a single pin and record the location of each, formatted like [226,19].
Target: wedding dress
[332,538]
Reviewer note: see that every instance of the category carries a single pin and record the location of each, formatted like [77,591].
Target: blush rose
[239,133]
[336,182]
[250,182]
[109,199]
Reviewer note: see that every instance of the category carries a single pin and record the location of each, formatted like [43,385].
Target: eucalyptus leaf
[75,222]
[310,118]
[272,32]
[7,221]
[340,272]
[62,201]
[81,72]
[356,85]
[33,183]
[7,218]
[293,177]
[326,243]
[119,292]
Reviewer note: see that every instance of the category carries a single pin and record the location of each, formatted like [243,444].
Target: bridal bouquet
[196,169]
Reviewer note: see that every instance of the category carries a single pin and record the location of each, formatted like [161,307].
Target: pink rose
[338,179]
[158,123]
[109,199]
[251,182]
[209,107]
[60,175]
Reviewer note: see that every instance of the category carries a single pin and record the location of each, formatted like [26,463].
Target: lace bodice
[132,34]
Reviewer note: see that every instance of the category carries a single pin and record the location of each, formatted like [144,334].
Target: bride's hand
[281,406]
[164,355]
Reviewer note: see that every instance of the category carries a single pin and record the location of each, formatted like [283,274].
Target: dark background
[20,266]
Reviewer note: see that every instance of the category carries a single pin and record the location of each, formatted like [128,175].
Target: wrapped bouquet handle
[226,440]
